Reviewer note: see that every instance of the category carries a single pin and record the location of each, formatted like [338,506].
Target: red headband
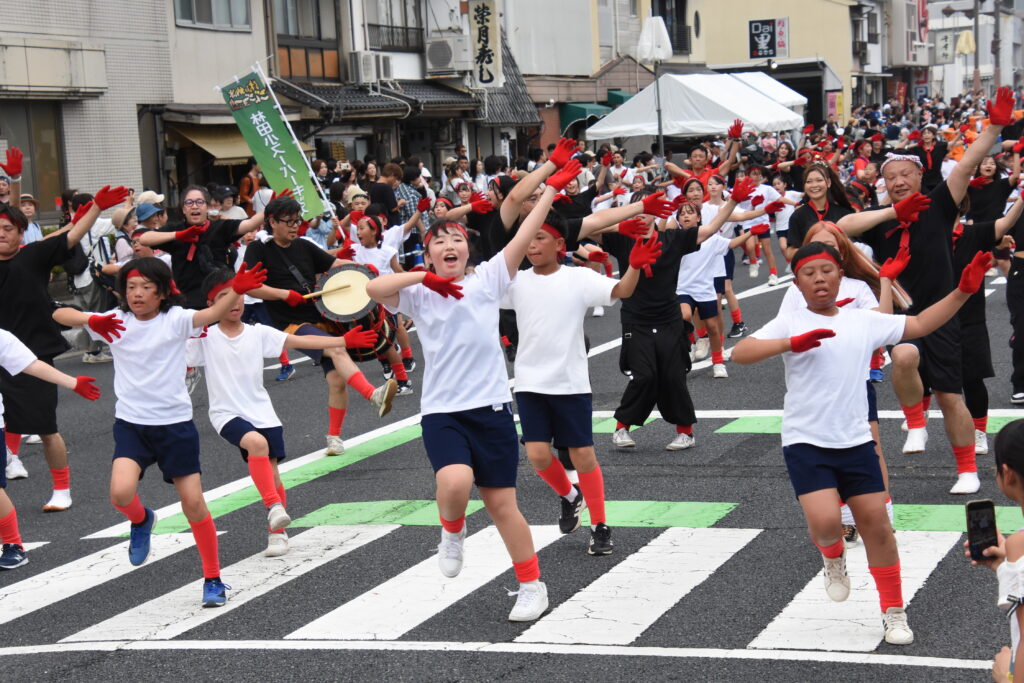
[134,272]
[814,257]
[557,235]
[215,290]
[429,235]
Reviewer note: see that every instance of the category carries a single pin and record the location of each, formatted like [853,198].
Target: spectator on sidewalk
[30,207]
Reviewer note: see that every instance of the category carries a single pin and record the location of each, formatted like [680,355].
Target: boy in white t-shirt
[552,380]
[764,195]
[826,439]
[240,409]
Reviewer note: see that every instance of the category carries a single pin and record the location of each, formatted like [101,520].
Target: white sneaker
[31,439]
[382,395]
[754,270]
[966,482]
[277,545]
[897,630]
[702,349]
[598,311]
[980,442]
[622,439]
[449,552]
[59,501]
[681,442]
[773,280]
[278,517]
[192,377]
[837,581]
[15,470]
[917,440]
[846,515]
[531,603]
[718,371]
[335,446]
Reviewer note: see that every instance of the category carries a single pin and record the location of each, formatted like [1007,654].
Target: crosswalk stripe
[395,607]
[624,602]
[813,622]
[179,611]
[67,580]
[33,545]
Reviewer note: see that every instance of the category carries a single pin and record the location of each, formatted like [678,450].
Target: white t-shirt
[234,373]
[770,194]
[101,229]
[14,357]
[708,213]
[698,269]
[782,217]
[551,357]
[380,257]
[464,367]
[149,367]
[826,404]
[393,237]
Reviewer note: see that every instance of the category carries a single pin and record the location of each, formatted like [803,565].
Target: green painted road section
[606,425]
[950,518]
[404,512]
[657,513]
[752,425]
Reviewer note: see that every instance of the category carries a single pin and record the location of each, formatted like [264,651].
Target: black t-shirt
[804,216]
[384,194]
[654,301]
[309,259]
[25,302]
[976,237]
[212,251]
[929,275]
[989,202]
[932,162]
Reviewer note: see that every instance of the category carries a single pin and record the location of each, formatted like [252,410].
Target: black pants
[1015,302]
[656,359]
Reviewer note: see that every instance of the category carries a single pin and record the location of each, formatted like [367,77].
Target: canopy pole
[657,94]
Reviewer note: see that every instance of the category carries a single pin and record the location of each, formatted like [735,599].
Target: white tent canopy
[770,87]
[695,104]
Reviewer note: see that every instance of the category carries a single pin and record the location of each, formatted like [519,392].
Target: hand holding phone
[983,534]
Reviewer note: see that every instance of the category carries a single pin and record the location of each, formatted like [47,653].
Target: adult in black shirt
[989,190]
[932,152]
[824,200]
[383,192]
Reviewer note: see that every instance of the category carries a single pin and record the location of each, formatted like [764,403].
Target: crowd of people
[887,227]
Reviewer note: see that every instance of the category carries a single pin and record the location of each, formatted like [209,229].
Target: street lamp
[772,65]
[653,47]
[973,14]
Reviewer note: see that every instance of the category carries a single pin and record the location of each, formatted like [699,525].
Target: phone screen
[981,527]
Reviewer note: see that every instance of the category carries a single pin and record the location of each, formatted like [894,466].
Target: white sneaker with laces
[966,482]
[532,601]
[382,395]
[702,349]
[598,311]
[681,442]
[622,439]
[15,470]
[897,630]
[335,446]
[773,280]
[754,270]
[837,581]
[980,442]
[59,501]
[917,440]
[278,517]
[277,545]
[718,371]
[449,552]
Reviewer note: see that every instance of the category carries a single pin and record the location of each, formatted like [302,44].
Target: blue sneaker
[876,375]
[214,593]
[138,543]
[287,371]
[13,556]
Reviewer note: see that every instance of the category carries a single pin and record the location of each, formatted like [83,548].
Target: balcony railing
[396,38]
[680,36]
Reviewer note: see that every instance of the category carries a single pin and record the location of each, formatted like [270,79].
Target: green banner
[275,150]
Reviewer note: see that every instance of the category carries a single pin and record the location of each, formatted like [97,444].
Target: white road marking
[811,621]
[883,414]
[400,604]
[34,545]
[998,281]
[626,600]
[179,611]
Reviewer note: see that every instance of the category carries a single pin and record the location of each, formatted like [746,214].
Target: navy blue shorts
[730,264]
[706,309]
[851,471]
[485,439]
[309,329]
[3,461]
[720,284]
[566,418]
[236,428]
[782,233]
[872,403]
[174,448]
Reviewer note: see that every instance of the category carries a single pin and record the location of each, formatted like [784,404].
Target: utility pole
[977,48]
[996,44]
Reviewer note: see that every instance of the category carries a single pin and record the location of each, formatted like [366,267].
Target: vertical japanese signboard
[485,43]
[769,38]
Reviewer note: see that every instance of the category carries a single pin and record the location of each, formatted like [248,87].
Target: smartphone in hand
[981,528]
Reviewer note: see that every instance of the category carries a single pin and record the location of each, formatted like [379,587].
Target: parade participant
[292,266]
[931,150]
[153,413]
[990,187]
[825,200]
[825,439]
[1015,302]
[763,195]
[791,199]
[240,407]
[248,187]
[723,277]
[698,166]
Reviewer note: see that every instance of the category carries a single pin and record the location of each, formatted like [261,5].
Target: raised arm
[244,280]
[740,193]
[1000,114]
[522,190]
[596,222]
[1004,224]
[104,199]
[515,251]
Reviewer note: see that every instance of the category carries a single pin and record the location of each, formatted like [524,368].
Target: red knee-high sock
[889,585]
[283,358]
[9,528]
[684,429]
[981,424]
[737,315]
[926,402]
[205,533]
[717,357]
[134,511]
[831,551]
[554,474]
[13,442]
[914,415]
[527,571]
[61,478]
[399,370]
[336,416]
[406,352]
[877,360]
[965,459]
[359,382]
[773,271]
[453,526]
[702,332]
[692,338]
[757,249]
[263,476]
[619,425]
[592,486]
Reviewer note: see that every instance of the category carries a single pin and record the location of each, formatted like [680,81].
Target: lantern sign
[485,44]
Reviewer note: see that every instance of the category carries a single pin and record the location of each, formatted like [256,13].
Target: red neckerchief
[821,216]
[904,236]
[958,232]
[928,153]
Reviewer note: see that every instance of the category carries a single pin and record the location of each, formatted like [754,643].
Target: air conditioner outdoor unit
[363,67]
[448,53]
[384,67]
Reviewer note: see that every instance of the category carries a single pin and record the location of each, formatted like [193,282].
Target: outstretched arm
[522,190]
[1000,115]
[515,251]
[385,289]
[753,350]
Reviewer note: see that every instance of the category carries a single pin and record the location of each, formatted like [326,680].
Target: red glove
[757,201]
[843,302]
[644,253]
[680,181]
[841,145]
[346,252]
[560,155]
[802,160]
[355,216]
[914,136]
[294,298]
[634,227]
[774,207]
[192,233]
[85,388]
[108,197]
[15,162]
[1000,112]
[892,267]
[372,268]
[735,131]
[358,338]
[907,210]
[286,192]
[562,199]
[619,191]
[477,197]
[569,171]
[606,160]
[248,278]
[1019,146]
[877,137]
[808,129]
[656,205]
[423,205]
[974,274]
[809,340]
[483,206]
[979,182]
[598,256]
[107,326]
[760,229]
[445,286]
[82,210]
[964,128]
[742,190]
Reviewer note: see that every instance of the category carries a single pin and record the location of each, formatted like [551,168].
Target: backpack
[77,262]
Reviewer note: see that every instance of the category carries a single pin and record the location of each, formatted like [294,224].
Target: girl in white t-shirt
[825,437]
[717,198]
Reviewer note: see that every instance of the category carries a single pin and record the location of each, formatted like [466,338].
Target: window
[230,15]
[674,14]
[307,39]
[633,9]
[34,128]
[394,25]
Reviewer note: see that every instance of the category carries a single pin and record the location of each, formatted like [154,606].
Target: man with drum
[292,266]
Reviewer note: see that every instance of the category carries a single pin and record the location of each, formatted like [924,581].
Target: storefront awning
[572,112]
[617,97]
[224,143]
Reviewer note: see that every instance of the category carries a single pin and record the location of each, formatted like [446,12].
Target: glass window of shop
[34,128]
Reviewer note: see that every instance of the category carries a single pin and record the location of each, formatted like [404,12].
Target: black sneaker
[13,556]
[738,330]
[386,368]
[569,519]
[404,387]
[850,533]
[600,540]
[409,363]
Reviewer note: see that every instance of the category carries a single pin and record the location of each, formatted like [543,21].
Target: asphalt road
[746,551]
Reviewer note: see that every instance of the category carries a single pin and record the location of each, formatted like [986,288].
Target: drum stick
[312,295]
